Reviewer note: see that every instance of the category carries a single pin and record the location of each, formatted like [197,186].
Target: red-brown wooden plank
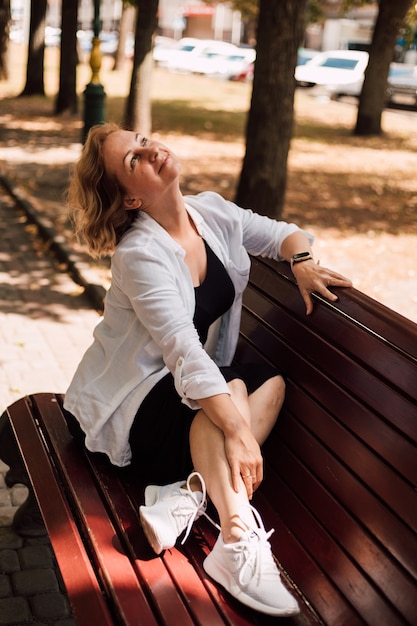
[352,585]
[287,336]
[397,494]
[369,579]
[280,306]
[319,591]
[80,579]
[113,566]
[123,492]
[367,313]
[334,389]
[188,581]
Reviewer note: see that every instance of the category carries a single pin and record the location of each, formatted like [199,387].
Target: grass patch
[183,117]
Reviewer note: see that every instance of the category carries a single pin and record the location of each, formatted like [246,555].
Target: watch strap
[300,257]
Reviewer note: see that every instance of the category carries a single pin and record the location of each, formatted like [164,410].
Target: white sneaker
[247,570]
[169,510]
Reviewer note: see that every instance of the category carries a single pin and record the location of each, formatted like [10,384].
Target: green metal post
[94,94]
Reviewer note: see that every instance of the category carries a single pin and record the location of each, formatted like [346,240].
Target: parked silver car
[402,84]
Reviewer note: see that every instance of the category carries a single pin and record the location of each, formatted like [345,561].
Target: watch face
[300,255]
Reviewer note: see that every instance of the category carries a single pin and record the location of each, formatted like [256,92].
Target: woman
[155,389]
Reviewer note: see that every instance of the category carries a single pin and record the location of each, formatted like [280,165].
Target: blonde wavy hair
[95,199]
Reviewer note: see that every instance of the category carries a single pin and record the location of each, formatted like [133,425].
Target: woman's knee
[278,391]
[265,404]
[238,388]
[274,393]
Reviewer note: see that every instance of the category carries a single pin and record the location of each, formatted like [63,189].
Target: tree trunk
[4,38]
[372,99]
[36,50]
[126,20]
[67,94]
[269,128]
[138,109]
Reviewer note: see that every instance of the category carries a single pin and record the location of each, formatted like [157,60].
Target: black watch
[300,257]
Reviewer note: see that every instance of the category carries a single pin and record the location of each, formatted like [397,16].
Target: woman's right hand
[245,459]
[242,451]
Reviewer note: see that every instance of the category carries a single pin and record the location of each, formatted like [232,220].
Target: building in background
[194,18]
[177,18]
[342,31]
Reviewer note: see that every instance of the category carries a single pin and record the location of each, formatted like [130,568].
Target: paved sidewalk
[46,323]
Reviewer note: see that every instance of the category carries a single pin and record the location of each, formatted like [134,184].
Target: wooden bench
[340,484]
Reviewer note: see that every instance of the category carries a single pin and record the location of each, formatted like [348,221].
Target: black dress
[159,437]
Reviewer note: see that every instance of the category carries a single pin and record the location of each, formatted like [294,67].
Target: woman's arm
[242,450]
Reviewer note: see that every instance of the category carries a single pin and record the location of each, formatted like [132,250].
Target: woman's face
[144,168]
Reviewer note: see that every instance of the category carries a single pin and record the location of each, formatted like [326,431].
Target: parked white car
[336,72]
[189,52]
[163,48]
[223,65]
[305,55]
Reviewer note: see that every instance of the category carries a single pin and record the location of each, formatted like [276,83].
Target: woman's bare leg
[260,409]
[241,559]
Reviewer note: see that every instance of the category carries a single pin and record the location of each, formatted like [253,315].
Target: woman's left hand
[310,276]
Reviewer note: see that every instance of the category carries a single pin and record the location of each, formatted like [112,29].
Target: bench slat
[354,308]
[323,596]
[112,565]
[348,580]
[123,492]
[401,493]
[356,524]
[389,443]
[386,484]
[80,580]
[282,303]
[152,573]
[369,388]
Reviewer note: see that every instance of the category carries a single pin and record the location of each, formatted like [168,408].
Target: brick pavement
[46,323]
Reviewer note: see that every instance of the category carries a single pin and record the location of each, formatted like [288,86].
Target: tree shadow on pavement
[32,283]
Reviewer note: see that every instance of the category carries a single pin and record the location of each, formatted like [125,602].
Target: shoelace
[199,509]
[253,550]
